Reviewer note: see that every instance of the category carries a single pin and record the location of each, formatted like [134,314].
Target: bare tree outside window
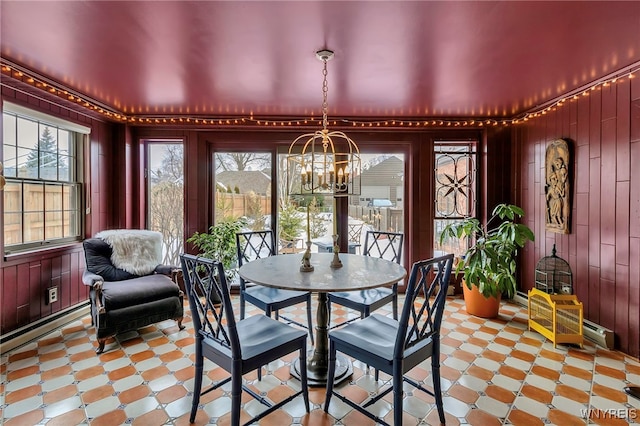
[166,197]
[283,181]
[241,161]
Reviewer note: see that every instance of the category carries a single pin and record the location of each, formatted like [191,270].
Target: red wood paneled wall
[603,248]
[24,279]
[25,282]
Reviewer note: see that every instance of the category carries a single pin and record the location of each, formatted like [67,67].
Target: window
[42,166]
[383,190]
[165,190]
[378,207]
[242,185]
[455,189]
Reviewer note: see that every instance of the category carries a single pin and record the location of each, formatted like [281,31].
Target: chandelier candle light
[325,163]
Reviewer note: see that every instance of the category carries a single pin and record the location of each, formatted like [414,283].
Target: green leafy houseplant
[220,243]
[490,262]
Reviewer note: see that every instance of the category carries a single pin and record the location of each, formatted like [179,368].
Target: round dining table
[357,273]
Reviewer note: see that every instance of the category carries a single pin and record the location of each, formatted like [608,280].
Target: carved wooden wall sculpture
[557,187]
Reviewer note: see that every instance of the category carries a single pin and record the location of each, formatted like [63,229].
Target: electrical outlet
[52,295]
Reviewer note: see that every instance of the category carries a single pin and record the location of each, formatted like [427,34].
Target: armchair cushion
[120,294]
[98,257]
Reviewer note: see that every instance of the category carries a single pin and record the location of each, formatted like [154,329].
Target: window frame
[147,168]
[471,150]
[75,183]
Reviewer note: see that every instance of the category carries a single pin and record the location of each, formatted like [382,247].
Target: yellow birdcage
[557,317]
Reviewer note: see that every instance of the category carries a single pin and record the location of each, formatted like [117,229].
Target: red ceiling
[392,58]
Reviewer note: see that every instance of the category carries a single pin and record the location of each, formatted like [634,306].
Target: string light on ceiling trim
[18,73]
[51,88]
[619,76]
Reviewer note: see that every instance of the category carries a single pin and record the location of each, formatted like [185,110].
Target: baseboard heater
[594,332]
[41,327]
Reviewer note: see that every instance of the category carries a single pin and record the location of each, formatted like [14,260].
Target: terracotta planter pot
[478,305]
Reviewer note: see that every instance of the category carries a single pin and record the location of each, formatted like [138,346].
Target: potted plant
[488,265]
[220,244]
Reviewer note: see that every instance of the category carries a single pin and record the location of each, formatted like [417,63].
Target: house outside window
[42,165]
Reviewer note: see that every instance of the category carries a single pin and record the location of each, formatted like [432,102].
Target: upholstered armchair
[130,289]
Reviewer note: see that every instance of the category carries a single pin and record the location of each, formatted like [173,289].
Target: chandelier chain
[325,91]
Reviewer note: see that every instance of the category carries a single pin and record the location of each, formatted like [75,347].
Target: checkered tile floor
[494,372]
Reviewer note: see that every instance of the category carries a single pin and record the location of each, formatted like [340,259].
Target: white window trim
[46,118]
[78,129]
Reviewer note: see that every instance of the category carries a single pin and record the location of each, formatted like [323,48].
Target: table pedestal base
[318,376]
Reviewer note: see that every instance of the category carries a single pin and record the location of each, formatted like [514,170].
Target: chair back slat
[424,302]
[355,232]
[385,245]
[206,284]
[252,245]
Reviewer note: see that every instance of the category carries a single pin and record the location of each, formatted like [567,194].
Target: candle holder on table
[306,259]
[336,262]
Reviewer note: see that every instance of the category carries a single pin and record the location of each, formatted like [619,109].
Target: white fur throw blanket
[135,251]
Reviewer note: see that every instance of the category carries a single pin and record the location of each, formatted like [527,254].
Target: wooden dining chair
[397,346]
[253,245]
[385,245]
[238,347]
[355,234]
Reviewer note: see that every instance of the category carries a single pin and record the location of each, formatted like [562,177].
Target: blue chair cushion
[363,297]
[375,336]
[269,295]
[259,334]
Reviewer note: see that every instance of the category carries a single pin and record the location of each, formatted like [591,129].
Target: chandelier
[324,162]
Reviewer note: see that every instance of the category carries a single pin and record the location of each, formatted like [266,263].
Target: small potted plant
[488,265]
[220,244]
